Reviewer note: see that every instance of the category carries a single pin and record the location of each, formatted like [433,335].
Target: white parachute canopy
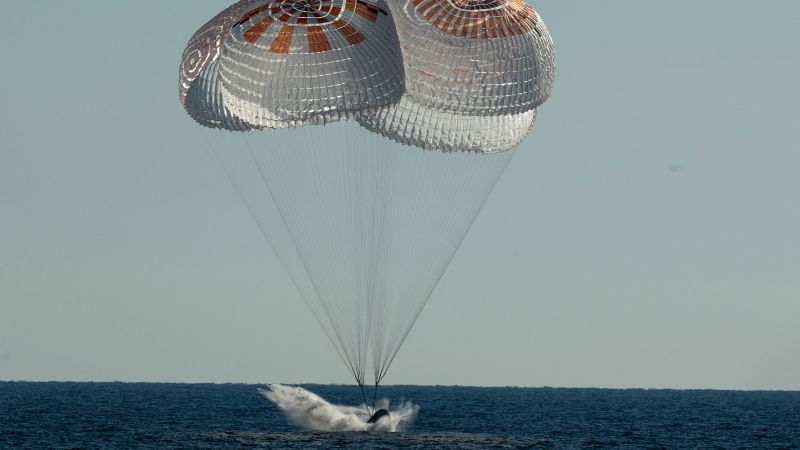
[364,225]
[475,72]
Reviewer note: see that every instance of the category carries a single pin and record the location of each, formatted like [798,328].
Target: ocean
[220,416]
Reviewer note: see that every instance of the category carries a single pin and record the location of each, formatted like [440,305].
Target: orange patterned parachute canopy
[476,71]
[444,75]
[479,19]
[281,63]
[290,62]
[475,57]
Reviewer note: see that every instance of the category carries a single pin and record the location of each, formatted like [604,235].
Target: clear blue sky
[650,222]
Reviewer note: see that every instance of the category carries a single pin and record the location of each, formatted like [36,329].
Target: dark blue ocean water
[92,415]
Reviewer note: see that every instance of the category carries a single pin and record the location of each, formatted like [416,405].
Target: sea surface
[124,415]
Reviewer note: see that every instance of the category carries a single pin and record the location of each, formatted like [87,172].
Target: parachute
[475,71]
[423,103]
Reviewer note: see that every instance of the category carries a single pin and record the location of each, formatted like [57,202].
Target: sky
[649,224]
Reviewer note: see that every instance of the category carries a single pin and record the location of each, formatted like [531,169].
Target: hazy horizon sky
[645,234]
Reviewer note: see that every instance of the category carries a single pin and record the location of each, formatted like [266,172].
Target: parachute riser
[364,398]
[375,395]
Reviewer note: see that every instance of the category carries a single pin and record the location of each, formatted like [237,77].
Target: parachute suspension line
[251,209]
[301,224]
[429,203]
[278,195]
[370,227]
[374,395]
[366,190]
[329,187]
[375,277]
[364,398]
[377,287]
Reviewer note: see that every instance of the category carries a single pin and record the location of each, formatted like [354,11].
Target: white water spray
[310,411]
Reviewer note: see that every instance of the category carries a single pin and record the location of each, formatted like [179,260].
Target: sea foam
[310,411]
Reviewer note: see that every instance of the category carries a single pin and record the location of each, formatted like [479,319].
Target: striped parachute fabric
[476,57]
[475,71]
[280,63]
[199,70]
[443,75]
[291,62]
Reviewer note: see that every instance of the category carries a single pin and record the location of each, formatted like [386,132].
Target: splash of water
[310,411]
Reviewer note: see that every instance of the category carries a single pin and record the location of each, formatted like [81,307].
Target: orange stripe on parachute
[283,41]
[256,31]
[317,41]
[367,11]
[348,32]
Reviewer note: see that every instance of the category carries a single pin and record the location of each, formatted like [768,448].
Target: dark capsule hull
[379,414]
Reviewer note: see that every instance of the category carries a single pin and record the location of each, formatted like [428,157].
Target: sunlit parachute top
[443,75]
[290,62]
[475,57]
